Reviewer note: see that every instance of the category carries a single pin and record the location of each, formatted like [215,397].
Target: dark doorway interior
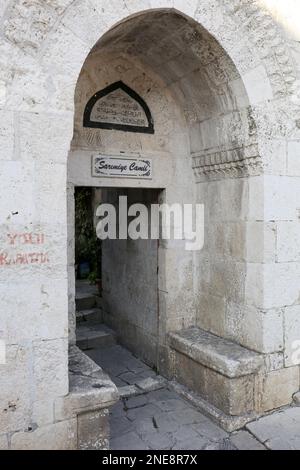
[116,280]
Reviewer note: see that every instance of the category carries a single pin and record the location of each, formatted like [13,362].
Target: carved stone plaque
[118,107]
[121,167]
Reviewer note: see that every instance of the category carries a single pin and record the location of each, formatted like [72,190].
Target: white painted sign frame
[109,166]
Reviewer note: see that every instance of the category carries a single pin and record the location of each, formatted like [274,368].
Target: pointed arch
[139,121]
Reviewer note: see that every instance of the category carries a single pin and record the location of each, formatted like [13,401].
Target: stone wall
[130,283]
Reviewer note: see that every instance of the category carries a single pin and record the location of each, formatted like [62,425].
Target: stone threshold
[90,388]
[223,356]
[87,379]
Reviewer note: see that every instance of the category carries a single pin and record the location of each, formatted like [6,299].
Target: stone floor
[150,415]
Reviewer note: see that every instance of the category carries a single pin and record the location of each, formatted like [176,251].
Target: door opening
[116,286]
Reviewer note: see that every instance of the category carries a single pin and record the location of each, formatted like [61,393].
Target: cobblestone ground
[150,415]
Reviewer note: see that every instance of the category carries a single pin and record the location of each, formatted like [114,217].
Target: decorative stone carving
[228,163]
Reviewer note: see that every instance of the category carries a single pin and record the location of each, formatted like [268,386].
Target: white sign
[119,108]
[121,167]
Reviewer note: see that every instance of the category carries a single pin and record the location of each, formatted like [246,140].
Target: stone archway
[42,67]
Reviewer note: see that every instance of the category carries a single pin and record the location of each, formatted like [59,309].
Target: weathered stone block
[40,133]
[288,241]
[280,286]
[93,430]
[257,85]
[43,412]
[257,329]
[276,388]
[274,155]
[293,158]
[211,313]
[50,194]
[260,242]
[273,285]
[6,135]
[58,436]
[89,33]
[50,368]
[292,335]
[15,385]
[219,354]
[279,431]
[19,204]
[3,442]
[273,198]
[232,396]
[274,361]
[90,388]
[39,320]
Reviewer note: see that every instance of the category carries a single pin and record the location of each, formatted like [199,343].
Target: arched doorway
[229,292]
[203,148]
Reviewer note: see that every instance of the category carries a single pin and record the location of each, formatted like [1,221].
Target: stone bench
[220,371]
[217,353]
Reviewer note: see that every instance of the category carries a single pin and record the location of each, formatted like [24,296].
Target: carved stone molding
[232,163]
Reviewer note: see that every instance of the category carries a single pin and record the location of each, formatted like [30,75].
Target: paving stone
[144,426]
[118,382]
[128,391]
[151,383]
[184,434]
[142,412]
[165,422]
[188,416]
[117,409]
[209,430]
[158,441]
[108,360]
[129,377]
[146,374]
[161,419]
[137,366]
[119,425]
[224,444]
[196,443]
[243,440]
[136,402]
[173,404]
[129,441]
[278,431]
[162,395]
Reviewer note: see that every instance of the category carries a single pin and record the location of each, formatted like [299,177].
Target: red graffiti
[23,258]
[28,238]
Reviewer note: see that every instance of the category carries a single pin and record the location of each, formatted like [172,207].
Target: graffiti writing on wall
[28,238]
[15,253]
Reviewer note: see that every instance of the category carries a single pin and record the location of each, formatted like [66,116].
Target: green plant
[87,245]
[92,277]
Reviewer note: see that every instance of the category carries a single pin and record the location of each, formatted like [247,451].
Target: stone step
[89,317]
[85,301]
[224,356]
[94,336]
